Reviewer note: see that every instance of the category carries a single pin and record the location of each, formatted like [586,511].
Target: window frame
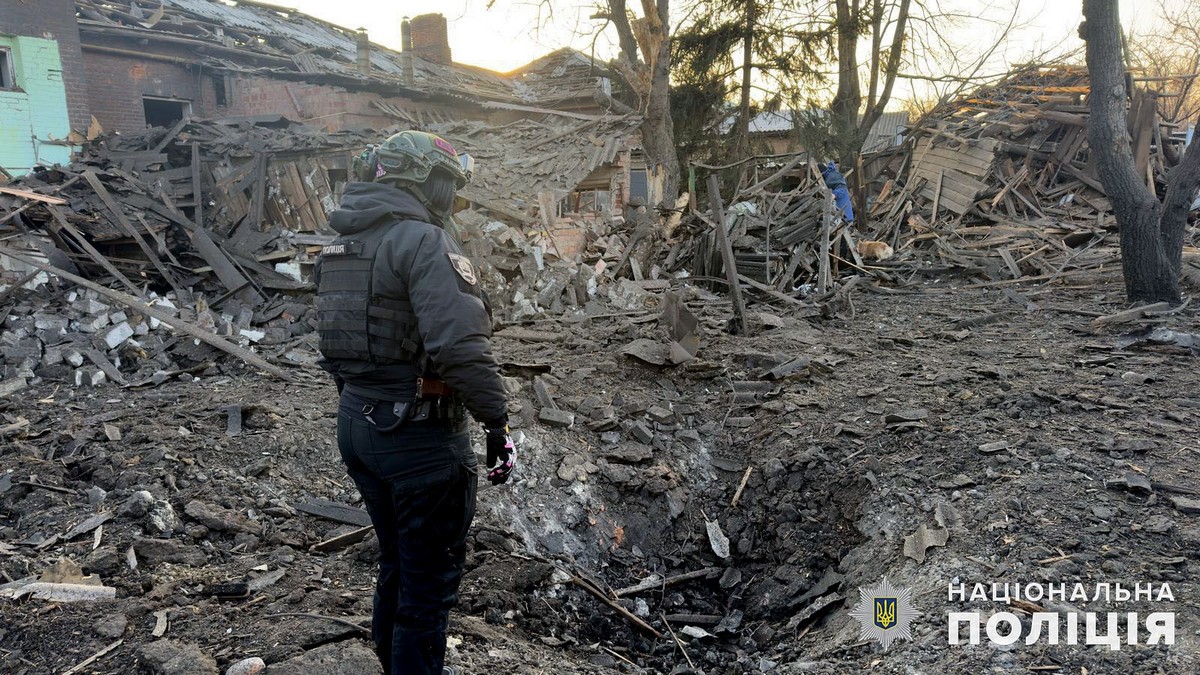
[8,70]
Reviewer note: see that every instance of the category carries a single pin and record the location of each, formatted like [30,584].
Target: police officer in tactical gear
[404,330]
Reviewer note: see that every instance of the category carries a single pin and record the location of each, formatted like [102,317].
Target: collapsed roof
[256,37]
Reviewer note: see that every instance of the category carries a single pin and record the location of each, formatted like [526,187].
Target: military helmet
[410,156]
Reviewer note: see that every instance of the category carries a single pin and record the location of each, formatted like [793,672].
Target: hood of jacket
[365,205]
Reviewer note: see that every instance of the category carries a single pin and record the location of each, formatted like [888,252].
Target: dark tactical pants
[419,485]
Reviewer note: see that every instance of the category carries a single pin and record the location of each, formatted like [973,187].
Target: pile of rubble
[213,228]
[1002,183]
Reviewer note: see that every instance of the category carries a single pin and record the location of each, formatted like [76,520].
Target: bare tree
[874,17]
[1151,232]
[645,63]
[1168,60]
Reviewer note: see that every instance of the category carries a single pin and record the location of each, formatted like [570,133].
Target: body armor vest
[354,321]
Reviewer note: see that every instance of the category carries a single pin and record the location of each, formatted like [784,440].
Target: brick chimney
[406,51]
[363,47]
[430,39]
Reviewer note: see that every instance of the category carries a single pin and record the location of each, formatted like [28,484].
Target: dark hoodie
[414,262]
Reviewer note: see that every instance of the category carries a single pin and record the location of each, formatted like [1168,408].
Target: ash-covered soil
[1086,474]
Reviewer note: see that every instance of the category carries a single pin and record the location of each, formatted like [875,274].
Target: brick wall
[430,38]
[53,20]
[118,83]
[333,108]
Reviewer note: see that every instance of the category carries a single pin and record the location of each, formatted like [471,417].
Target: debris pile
[1002,183]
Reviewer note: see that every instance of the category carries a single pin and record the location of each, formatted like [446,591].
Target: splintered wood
[1002,184]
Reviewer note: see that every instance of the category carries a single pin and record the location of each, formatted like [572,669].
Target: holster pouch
[400,409]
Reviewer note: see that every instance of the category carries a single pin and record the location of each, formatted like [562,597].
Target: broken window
[637,184]
[221,91]
[165,112]
[8,79]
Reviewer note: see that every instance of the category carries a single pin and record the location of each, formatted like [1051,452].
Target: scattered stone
[337,658]
[556,418]
[96,494]
[629,453]
[137,505]
[660,415]
[111,626]
[642,432]
[250,666]
[112,433]
[907,415]
[161,519]
[168,657]
[955,482]
[1186,505]
[9,387]
[216,518]
[1158,525]
[89,377]
[993,448]
[155,551]
[117,335]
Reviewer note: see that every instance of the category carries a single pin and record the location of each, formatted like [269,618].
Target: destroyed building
[563,151]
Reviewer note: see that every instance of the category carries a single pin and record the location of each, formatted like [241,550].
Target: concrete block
[117,335]
[89,377]
[556,418]
[642,432]
[10,386]
[53,356]
[92,324]
[51,322]
[660,414]
[73,356]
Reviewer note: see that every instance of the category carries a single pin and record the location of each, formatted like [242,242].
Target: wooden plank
[139,305]
[197,186]
[230,276]
[934,162]
[937,194]
[951,155]
[94,180]
[29,194]
[735,289]
[1012,264]
[335,511]
[61,225]
[172,134]
[824,277]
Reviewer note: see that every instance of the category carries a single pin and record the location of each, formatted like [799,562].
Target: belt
[433,401]
[427,386]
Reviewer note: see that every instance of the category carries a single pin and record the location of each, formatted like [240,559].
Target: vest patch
[462,265]
[345,248]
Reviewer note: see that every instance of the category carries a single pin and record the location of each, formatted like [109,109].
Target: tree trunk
[1145,262]
[1181,192]
[848,97]
[742,142]
[658,129]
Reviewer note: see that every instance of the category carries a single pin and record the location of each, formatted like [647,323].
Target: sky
[515,32]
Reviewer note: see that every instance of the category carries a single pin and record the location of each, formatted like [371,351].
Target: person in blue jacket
[835,181]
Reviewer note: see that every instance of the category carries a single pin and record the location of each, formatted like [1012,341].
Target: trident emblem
[885,612]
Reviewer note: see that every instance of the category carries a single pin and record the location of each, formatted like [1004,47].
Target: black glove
[502,449]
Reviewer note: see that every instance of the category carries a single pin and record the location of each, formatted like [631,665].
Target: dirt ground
[878,431]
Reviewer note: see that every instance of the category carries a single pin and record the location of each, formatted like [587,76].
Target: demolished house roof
[518,161]
[257,37]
